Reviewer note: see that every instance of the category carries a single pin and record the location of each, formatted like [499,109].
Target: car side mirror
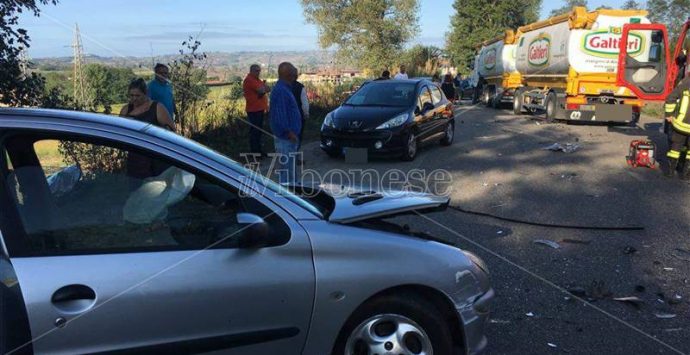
[254,231]
[417,112]
[428,106]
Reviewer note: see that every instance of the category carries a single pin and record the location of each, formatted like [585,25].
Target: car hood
[364,118]
[350,205]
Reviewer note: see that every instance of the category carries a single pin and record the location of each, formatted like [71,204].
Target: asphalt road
[498,166]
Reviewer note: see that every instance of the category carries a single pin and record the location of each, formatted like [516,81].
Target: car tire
[517,103]
[449,134]
[411,147]
[551,107]
[496,102]
[333,154]
[384,315]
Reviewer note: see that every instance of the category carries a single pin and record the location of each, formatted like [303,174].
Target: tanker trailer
[568,65]
[496,69]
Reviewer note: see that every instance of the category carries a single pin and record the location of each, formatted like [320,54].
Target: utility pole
[79,82]
[24,62]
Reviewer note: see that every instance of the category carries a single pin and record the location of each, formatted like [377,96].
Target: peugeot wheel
[410,151]
[395,325]
[449,134]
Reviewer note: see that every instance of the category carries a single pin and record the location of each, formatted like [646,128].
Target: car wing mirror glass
[428,106]
[417,111]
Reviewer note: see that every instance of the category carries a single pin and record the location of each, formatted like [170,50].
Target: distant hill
[231,62]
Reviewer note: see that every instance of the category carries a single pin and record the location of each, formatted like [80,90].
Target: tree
[569,4]
[107,85]
[189,82]
[16,87]
[672,13]
[631,5]
[368,33]
[422,60]
[475,21]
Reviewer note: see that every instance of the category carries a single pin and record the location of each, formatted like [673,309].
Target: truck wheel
[486,97]
[551,107]
[496,102]
[517,103]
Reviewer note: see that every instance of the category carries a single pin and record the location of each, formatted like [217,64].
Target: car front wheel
[410,149]
[395,325]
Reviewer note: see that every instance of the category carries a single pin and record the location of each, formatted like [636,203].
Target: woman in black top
[142,108]
[448,87]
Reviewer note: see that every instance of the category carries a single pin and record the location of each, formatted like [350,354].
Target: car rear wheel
[395,325]
[410,151]
[449,134]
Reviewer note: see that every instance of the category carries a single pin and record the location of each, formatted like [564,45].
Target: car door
[439,118]
[426,112]
[122,249]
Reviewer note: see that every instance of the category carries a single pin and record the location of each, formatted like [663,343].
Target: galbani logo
[490,59]
[538,51]
[607,45]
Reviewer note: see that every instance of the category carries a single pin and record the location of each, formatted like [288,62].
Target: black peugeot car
[390,117]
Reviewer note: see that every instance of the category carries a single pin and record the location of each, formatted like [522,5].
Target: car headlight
[328,121]
[396,121]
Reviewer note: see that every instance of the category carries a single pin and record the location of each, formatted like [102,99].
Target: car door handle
[73,298]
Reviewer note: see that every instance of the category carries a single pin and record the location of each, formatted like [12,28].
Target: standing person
[142,108]
[286,122]
[402,74]
[255,91]
[300,94]
[678,117]
[385,75]
[161,90]
[448,87]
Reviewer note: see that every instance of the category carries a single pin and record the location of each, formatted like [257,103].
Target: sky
[117,28]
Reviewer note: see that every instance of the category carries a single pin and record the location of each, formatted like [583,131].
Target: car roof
[74,116]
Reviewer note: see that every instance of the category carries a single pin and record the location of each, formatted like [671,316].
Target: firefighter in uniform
[677,110]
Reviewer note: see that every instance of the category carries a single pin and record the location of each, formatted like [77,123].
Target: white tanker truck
[568,65]
[495,68]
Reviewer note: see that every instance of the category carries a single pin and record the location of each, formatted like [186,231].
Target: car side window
[80,196]
[436,95]
[424,98]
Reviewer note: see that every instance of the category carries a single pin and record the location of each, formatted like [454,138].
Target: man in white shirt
[402,74]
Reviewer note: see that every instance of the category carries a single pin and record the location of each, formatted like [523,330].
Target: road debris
[677,299]
[565,148]
[499,321]
[549,243]
[499,232]
[530,314]
[668,269]
[665,315]
[631,300]
[671,330]
[578,291]
[681,254]
[552,345]
[629,250]
[576,241]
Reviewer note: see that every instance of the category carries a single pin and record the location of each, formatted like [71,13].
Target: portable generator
[641,154]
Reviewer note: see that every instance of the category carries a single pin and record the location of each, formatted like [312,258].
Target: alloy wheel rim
[412,145]
[450,131]
[388,334]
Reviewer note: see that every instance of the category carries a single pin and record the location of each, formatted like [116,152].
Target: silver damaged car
[120,237]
